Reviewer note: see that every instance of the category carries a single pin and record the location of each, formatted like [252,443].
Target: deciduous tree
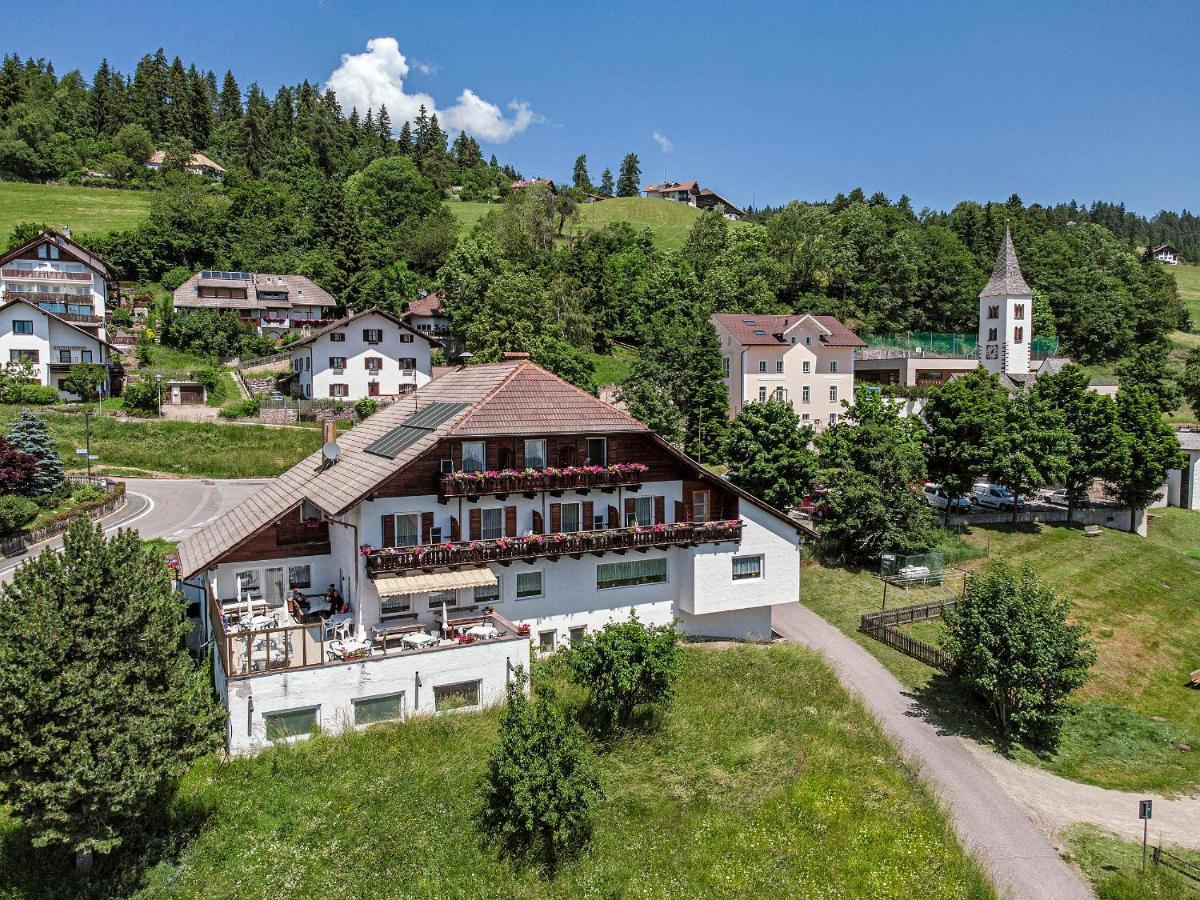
[961,418]
[1146,449]
[768,453]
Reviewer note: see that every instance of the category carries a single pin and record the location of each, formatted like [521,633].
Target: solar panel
[413,429]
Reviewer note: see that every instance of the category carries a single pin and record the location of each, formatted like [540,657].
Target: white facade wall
[92,294]
[49,335]
[1005,353]
[311,361]
[1183,485]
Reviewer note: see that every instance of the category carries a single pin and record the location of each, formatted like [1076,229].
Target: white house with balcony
[496,512]
[275,305]
[369,354]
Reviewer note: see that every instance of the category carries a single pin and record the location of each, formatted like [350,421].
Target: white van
[994,496]
[936,498]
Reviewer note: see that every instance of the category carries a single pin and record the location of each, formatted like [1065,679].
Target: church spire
[1007,280]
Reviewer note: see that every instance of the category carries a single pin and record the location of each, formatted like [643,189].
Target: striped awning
[393,585]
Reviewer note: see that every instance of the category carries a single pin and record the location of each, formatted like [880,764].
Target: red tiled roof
[745,328]
[839,335]
[429,305]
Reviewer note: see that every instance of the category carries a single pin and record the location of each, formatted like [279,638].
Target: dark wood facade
[289,536]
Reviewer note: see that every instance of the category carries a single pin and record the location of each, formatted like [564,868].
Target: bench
[1195,682]
[1091,530]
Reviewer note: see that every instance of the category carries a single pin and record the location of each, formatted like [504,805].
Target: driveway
[1020,860]
[168,508]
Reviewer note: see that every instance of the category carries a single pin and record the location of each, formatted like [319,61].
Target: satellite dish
[331,451]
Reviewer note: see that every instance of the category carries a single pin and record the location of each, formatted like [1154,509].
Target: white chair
[329,629]
[344,630]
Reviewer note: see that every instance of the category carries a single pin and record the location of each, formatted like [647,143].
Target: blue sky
[766,103]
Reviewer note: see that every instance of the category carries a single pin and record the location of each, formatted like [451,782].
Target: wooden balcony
[44,275]
[78,318]
[552,546]
[531,481]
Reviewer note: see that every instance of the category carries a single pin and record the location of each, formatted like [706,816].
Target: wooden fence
[881,626]
[1175,863]
[96,509]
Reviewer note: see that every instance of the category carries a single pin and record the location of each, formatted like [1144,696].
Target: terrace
[552,546]
[530,481]
[45,274]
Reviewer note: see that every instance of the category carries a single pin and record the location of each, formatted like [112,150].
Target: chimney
[66,232]
[328,431]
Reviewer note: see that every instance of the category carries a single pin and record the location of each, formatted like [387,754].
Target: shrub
[15,513]
[142,351]
[122,316]
[85,380]
[140,398]
[33,395]
[365,406]
[173,278]
[241,409]
[87,493]
[16,468]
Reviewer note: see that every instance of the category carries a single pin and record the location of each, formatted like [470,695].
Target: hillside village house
[428,316]
[692,194]
[273,304]
[711,200]
[533,182]
[370,354]
[496,507]
[198,164]
[802,359]
[1183,485]
[1165,253]
[53,304]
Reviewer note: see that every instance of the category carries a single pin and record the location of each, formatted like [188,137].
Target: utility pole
[87,442]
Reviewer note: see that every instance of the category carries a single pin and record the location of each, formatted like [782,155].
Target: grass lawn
[668,220]
[193,449]
[1114,867]
[469,212]
[763,779]
[1187,281]
[85,210]
[613,367]
[1140,600]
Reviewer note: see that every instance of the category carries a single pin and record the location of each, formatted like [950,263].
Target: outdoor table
[259,623]
[318,605]
[483,631]
[418,640]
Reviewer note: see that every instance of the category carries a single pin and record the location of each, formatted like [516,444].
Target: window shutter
[389,531]
[588,515]
[660,509]
[426,527]
[679,512]
[510,521]
[555,518]
[455,529]
[476,524]
[538,526]
[614,518]
[628,511]
[519,453]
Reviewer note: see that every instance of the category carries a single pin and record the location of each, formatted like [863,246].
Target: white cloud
[664,142]
[376,78]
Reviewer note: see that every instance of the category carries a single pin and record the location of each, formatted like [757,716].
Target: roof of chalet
[84,256]
[670,186]
[531,182]
[339,324]
[707,193]
[1170,247]
[60,320]
[510,397]
[1006,280]
[196,160]
[299,291]
[429,305]
[746,329]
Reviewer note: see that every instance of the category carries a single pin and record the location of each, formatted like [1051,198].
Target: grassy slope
[1140,600]
[85,210]
[764,778]
[193,449]
[614,367]
[1114,867]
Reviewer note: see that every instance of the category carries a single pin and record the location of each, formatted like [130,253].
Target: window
[246,582]
[1018,334]
[373,364]
[806,367]
[307,363]
[833,393]
[339,390]
[64,356]
[805,394]
[529,584]
[577,635]
[408,530]
[808,340]
[85,355]
[462,695]
[643,511]
[597,451]
[299,576]
[994,311]
[762,395]
[385,708]
[408,363]
[546,641]
[747,567]
[438,599]
[487,593]
[294,723]
[337,362]
[338,337]
[373,335]
[570,517]
[474,456]
[492,521]
[780,394]
[22,326]
[804,417]
[725,365]
[405,337]
[18,355]
[833,367]
[833,418]
[1019,311]
[779,366]
[762,365]
[699,506]
[395,606]
[535,454]
[631,572]
[992,334]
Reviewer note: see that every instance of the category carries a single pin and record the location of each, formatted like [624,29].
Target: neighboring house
[707,199]
[533,182]
[1165,253]
[441,515]
[680,191]
[428,316]
[49,343]
[802,359]
[273,304]
[369,354]
[62,278]
[198,164]
[590,197]
[1183,485]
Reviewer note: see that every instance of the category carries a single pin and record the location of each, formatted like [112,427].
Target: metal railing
[475,484]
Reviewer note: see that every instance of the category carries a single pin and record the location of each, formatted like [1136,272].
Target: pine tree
[256,130]
[606,182]
[383,125]
[101,706]
[580,176]
[630,179]
[404,143]
[229,104]
[30,435]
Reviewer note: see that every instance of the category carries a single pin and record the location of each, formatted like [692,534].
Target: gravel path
[1019,858]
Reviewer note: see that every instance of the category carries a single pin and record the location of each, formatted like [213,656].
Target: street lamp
[86,451]
[158,379]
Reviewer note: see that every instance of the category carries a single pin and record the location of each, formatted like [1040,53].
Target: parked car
[936,498]
[995,496]
[1059,498]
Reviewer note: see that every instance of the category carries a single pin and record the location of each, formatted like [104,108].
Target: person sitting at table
[341,605]
[300,602]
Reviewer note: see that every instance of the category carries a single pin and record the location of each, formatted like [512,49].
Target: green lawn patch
[191,449]
[1114,867]
[469,212]
[86,210]
[763,779]
[614,367]
[1187,281]
[669,220]
[1140,600]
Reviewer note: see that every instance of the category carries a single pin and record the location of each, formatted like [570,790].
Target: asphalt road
[167,508]
[1020,860]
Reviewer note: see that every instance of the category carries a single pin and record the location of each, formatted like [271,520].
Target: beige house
[802,359]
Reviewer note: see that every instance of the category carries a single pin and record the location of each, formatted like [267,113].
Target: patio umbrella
[444,629]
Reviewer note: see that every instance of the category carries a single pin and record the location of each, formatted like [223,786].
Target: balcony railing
[76,317]
[519,481]
[43,275]
[440,556]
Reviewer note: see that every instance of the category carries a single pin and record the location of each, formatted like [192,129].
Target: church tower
[1006,315]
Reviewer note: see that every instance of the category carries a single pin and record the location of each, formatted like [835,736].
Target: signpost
[1144,809]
